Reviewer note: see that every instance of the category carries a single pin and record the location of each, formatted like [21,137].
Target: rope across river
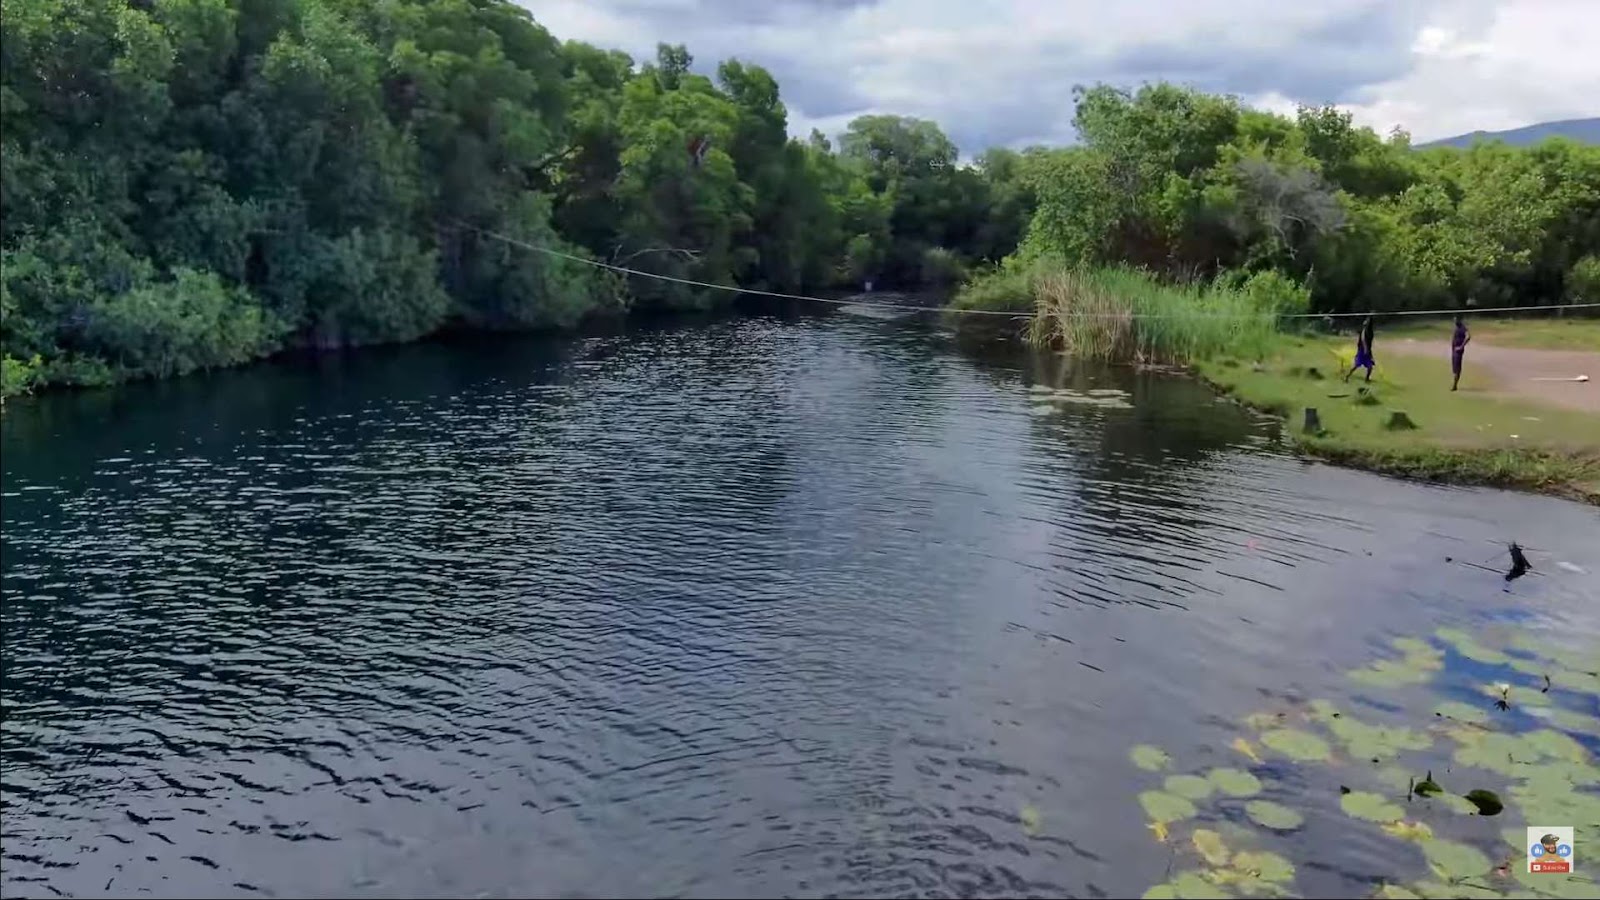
[835,301]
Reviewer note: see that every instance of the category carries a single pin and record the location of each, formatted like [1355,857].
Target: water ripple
[808,607]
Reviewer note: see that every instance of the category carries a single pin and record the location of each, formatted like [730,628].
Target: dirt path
[1513,370]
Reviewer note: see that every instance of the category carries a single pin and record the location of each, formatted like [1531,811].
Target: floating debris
[1105,398]
[1519,563]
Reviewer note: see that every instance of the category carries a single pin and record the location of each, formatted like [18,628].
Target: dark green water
[817,606]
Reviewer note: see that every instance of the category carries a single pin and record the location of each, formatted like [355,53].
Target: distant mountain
[1585,131]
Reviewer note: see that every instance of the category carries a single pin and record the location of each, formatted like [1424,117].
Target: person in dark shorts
[1458,349]
[1364,358]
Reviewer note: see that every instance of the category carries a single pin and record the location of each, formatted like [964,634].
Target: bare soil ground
[1513,371]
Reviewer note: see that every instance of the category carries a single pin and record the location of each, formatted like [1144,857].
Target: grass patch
[1538,334]
[1123,315]
[1007,287]
[1464,437]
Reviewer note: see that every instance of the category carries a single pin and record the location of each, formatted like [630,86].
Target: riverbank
[1481,434]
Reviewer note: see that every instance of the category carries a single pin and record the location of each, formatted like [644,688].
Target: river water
[830,605]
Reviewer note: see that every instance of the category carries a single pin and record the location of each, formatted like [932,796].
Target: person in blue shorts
[1458,349]
[1364,358]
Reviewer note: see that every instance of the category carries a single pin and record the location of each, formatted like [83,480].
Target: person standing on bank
[1458,349]
[1364,358]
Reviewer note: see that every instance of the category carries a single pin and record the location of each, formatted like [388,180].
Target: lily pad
[1410,831]
[1433,890]
[1322,711]
[1273,815]
[1148,758]
[1388,673]
[1573,680]
[1365,741]
[1395,778]
[1486,802]
[1468,646]
[1260,721]
[1191,886]
[1163,891]
[1568,720]
[1528,666]
[1235,782]
[1031,819]
[1461,806]
[1453,861]
[1392,892]
[1576,885]
[1192,787]
[1263,865]
[1210,847]
[1555,745]
[1370,806]
[1503,753]
[1298,745]
[1164,807]
[1461,712]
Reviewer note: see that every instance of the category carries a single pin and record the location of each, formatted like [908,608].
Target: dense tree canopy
[196,183]
[1189,185]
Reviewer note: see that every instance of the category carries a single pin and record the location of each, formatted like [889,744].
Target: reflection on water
[809,607]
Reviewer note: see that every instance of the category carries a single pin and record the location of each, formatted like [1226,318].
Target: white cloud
[1533,61]
[1002,71]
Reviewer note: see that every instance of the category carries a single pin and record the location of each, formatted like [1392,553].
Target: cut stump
[1313,421]
[1399,421]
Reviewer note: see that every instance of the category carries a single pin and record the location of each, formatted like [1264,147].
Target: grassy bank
[1123,315]
[1228,332]
[1466,437]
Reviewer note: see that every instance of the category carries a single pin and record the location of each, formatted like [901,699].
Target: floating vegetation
[1487,803]
[1409,831]
[1148,758]
[1210,847]
[1045,399]
[1461,712]
[1297,745]
[1235,782]
[1032,820]
[1243,746]
[1468,646]
[1454,862]
[1370,806]
[1166,808]
[1273,815]
[1547,774]
[1376,742]
[1416,665]
[1191,787]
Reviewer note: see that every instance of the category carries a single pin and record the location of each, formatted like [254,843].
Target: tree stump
[1399,421]
[1313,421]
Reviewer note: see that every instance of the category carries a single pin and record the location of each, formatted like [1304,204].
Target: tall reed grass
[1123,315]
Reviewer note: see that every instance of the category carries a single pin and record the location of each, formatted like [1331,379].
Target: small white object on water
[1573,378]
[1576,570]
[1516,435]
[1530,418]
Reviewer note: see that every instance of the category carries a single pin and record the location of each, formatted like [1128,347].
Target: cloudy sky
[1000,72]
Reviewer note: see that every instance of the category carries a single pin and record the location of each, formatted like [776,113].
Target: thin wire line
[996,312]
